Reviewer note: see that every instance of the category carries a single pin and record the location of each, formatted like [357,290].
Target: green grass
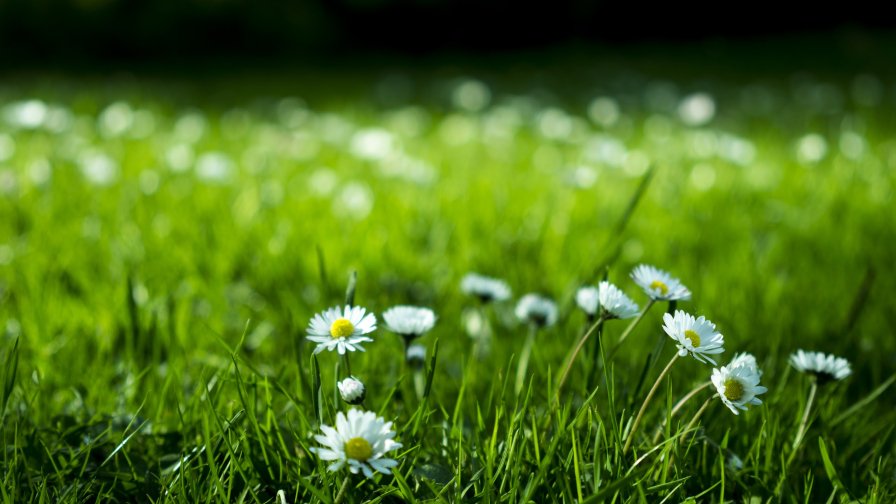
[153,324]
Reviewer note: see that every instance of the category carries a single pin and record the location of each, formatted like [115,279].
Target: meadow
[164,246]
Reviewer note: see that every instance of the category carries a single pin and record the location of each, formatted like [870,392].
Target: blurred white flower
[98,168]
[697,109]
[471,95]
[537,310]
[824,367]
[409,321]
[214,167]
[485,288]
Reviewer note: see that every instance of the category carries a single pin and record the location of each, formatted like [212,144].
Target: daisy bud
[352,390]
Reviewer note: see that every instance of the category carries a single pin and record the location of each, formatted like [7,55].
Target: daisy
[485,288]
[587,299]
[352,390]
[606,297]
[695,336]
[659,285]
[409,321]
[745,359]
[537,310]
[341,329]
[360,441]
[823,367]
[738,385]
[614,303]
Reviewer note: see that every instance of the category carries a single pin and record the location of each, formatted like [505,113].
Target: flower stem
[681,402]
[525,354]
[801,431]
[696,416]
[805,420]
[631,327]
[656,385]
[596,327]
[348,365]
[342,489]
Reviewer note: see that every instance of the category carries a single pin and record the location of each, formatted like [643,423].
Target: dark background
[74,33]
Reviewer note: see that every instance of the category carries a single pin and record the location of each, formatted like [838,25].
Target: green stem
[805,420]
[696,416]
[569,362]
[348,365]
[342,489]
[656,385]
[675,409]
[801,431]
[525,354]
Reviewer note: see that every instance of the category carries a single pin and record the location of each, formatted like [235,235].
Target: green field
[164,245]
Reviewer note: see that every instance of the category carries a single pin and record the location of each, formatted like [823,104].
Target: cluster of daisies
[736,384]
[361,440]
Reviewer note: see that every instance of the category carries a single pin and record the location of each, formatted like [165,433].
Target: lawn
[164,245]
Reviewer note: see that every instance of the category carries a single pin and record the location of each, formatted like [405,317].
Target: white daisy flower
[485,288]
[537,310]
[824,367]
[409,321]
[659,285]
[738,386]
[614,302]
[360,441]
[606,297]
[352,390]
[341,329]
[745,359]
[695,336]
[587,299]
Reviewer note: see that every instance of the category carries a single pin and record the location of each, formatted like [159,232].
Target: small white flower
[341,329]
[537,310]
[409,321]
[824,367]
[416,355]
[659,285]
[588,300]
[614,302]
[695,336]
[485,288]
[745,359]
[352,390]
[606,297]
[360,441]
[738,385]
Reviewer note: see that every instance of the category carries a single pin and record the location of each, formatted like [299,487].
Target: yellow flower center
[656,284]
[734,390]
[359,449]
[341,328]
[693,337]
